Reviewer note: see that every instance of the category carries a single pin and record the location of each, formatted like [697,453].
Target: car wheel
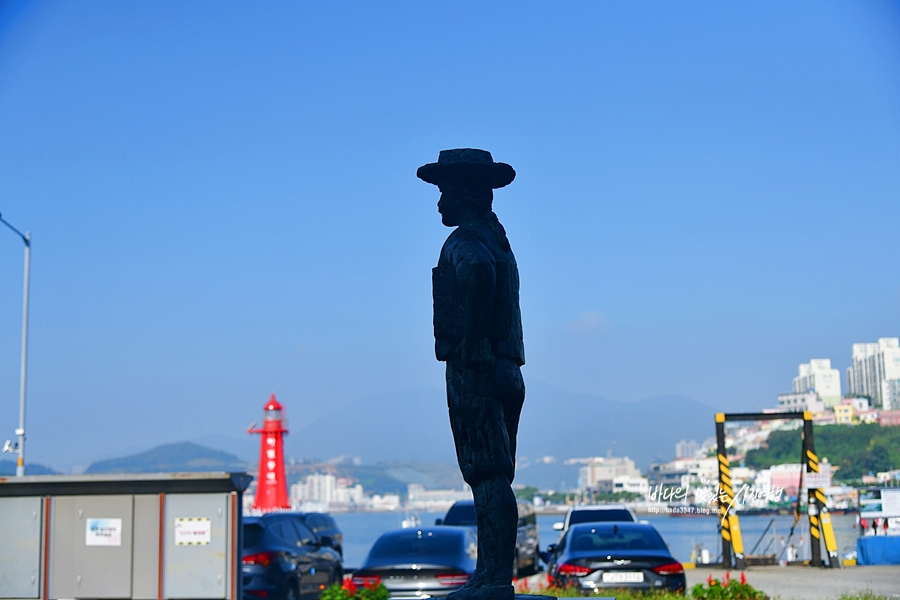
[291,592]
[337,577]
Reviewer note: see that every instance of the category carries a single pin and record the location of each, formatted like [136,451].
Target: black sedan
[525,561]
[421,563]
[284,560]
[598,556]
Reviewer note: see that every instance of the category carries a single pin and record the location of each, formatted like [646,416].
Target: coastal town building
[888,476]
[788,477]
[825,418]
[687,449]
[623,483]
[599,469]
[889,418]
[685,473]
[844,414]
[867,416]
[890,394]
[860,404]
[610,474]
[418,498]
[326,490]
[386,502]
[801,402]
[742,476]
[667,475]
[818,376]
[874,372]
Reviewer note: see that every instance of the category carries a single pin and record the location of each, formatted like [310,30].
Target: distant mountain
[568,425]
[413,425]
[245,447]
[8,467]
[384,478]
[168,458]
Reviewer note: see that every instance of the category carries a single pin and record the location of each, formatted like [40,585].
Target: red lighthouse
[271,487]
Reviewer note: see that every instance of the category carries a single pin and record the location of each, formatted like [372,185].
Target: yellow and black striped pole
[728,519]
[820,527]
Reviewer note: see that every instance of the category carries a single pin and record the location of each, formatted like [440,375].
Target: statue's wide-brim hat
[464,166]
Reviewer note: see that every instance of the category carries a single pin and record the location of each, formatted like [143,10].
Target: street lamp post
[23,374]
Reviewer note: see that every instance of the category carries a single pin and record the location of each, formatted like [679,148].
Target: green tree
[854,450]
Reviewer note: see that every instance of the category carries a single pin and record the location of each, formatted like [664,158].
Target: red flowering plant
[372,589]
[726,589]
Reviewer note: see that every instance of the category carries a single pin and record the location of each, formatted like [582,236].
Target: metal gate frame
[820,527]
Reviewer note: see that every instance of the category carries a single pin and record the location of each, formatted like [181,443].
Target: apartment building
[818,376]
[874,372]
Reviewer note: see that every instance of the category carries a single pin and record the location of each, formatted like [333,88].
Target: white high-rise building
[326,489]
[687,449]
[890,394]
[875,372]
[318,487]
[818,376]
[599,471]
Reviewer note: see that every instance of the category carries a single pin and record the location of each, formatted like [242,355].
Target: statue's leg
[497,516]
[478,404]
[459,394]
[511,390]
[495,502]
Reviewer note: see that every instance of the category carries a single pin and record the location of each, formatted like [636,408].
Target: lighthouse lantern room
[271,486]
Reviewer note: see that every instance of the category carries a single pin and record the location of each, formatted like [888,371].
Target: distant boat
[411,521]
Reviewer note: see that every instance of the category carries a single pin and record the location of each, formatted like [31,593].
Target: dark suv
[283,559]
[526,559]
[324,526]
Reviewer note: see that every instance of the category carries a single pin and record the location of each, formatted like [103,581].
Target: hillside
[413,426]
[8,467]
[386,477]
[855,450]
[168,458]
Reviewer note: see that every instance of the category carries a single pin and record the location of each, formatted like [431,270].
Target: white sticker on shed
[103,532]
[193,531]
[890,503]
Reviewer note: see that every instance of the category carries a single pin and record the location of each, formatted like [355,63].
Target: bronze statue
[478,333]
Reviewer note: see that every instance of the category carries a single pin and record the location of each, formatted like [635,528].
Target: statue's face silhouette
[459,203]
[451,206]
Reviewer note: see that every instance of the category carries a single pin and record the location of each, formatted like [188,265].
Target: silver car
[595,513]
[421,563]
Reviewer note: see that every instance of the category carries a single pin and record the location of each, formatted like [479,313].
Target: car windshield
[253,535]
[598,516]
[461,514]
[415,546]
[586,539]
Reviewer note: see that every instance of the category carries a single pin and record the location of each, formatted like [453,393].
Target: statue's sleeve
[476,277]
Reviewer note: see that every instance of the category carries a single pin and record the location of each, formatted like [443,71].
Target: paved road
[808,583]
[799,583]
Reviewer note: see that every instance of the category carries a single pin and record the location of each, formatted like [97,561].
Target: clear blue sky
[224,203]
